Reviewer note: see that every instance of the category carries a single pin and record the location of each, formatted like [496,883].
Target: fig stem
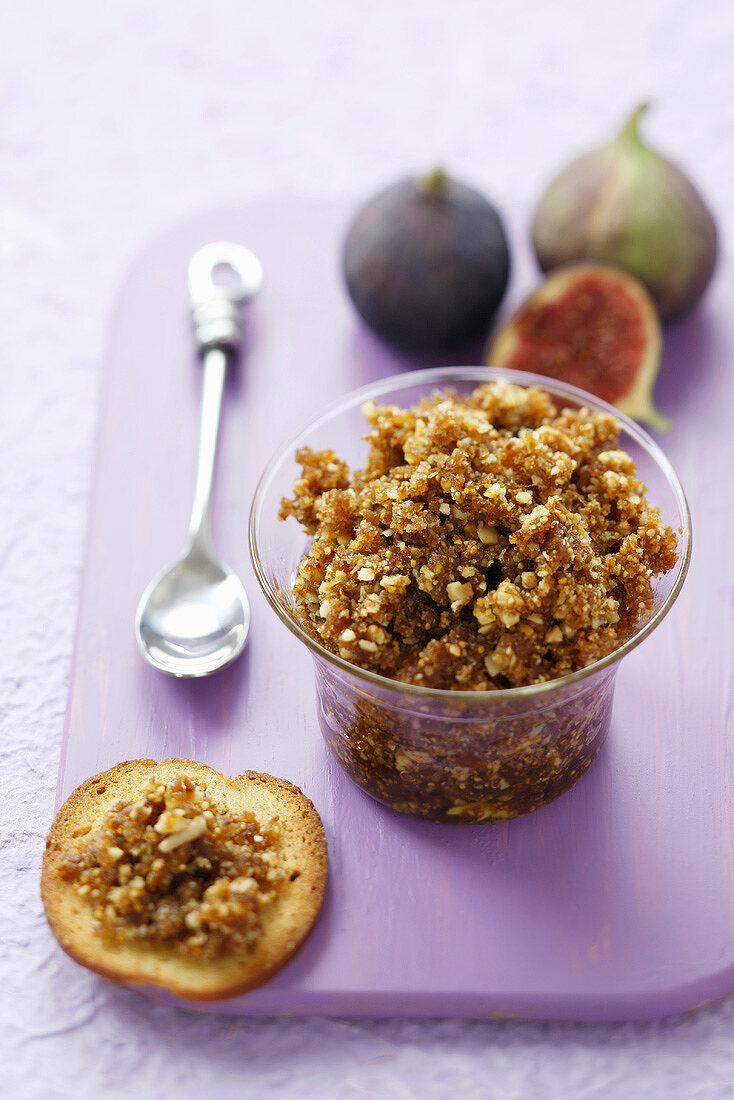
[434,183]
[655,419]
[630,130]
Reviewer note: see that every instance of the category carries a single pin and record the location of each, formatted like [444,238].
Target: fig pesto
[491,541]
[175,869]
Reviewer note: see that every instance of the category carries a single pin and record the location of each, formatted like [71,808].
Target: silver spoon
[194,616]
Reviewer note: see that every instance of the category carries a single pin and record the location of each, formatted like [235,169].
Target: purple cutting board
[617,901]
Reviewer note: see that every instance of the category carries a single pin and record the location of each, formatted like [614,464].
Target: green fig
[624,204]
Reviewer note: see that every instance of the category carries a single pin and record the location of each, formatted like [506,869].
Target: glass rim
[445,375]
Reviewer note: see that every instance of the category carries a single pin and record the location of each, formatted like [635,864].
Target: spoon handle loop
[222,276]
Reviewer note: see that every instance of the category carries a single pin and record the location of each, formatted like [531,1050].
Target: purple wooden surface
[615,902]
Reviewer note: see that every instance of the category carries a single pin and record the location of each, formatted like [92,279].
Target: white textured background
[116,117]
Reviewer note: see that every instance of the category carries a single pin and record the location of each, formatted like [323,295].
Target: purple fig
[624,204]
[426,264]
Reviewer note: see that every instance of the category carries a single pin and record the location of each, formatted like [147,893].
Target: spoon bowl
[193,617]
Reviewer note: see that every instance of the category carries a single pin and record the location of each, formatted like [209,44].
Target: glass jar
[454,756]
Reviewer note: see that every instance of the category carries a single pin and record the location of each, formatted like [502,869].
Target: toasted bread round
[286,922]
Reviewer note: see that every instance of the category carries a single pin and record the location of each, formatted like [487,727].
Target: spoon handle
[215,370]
[215,313]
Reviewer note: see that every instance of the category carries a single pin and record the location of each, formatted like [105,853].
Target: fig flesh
[626,205]
[594,327]
[426,264]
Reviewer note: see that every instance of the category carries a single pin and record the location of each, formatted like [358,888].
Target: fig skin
[426,264]
[624,204]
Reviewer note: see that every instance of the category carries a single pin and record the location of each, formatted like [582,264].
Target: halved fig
[594,327]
